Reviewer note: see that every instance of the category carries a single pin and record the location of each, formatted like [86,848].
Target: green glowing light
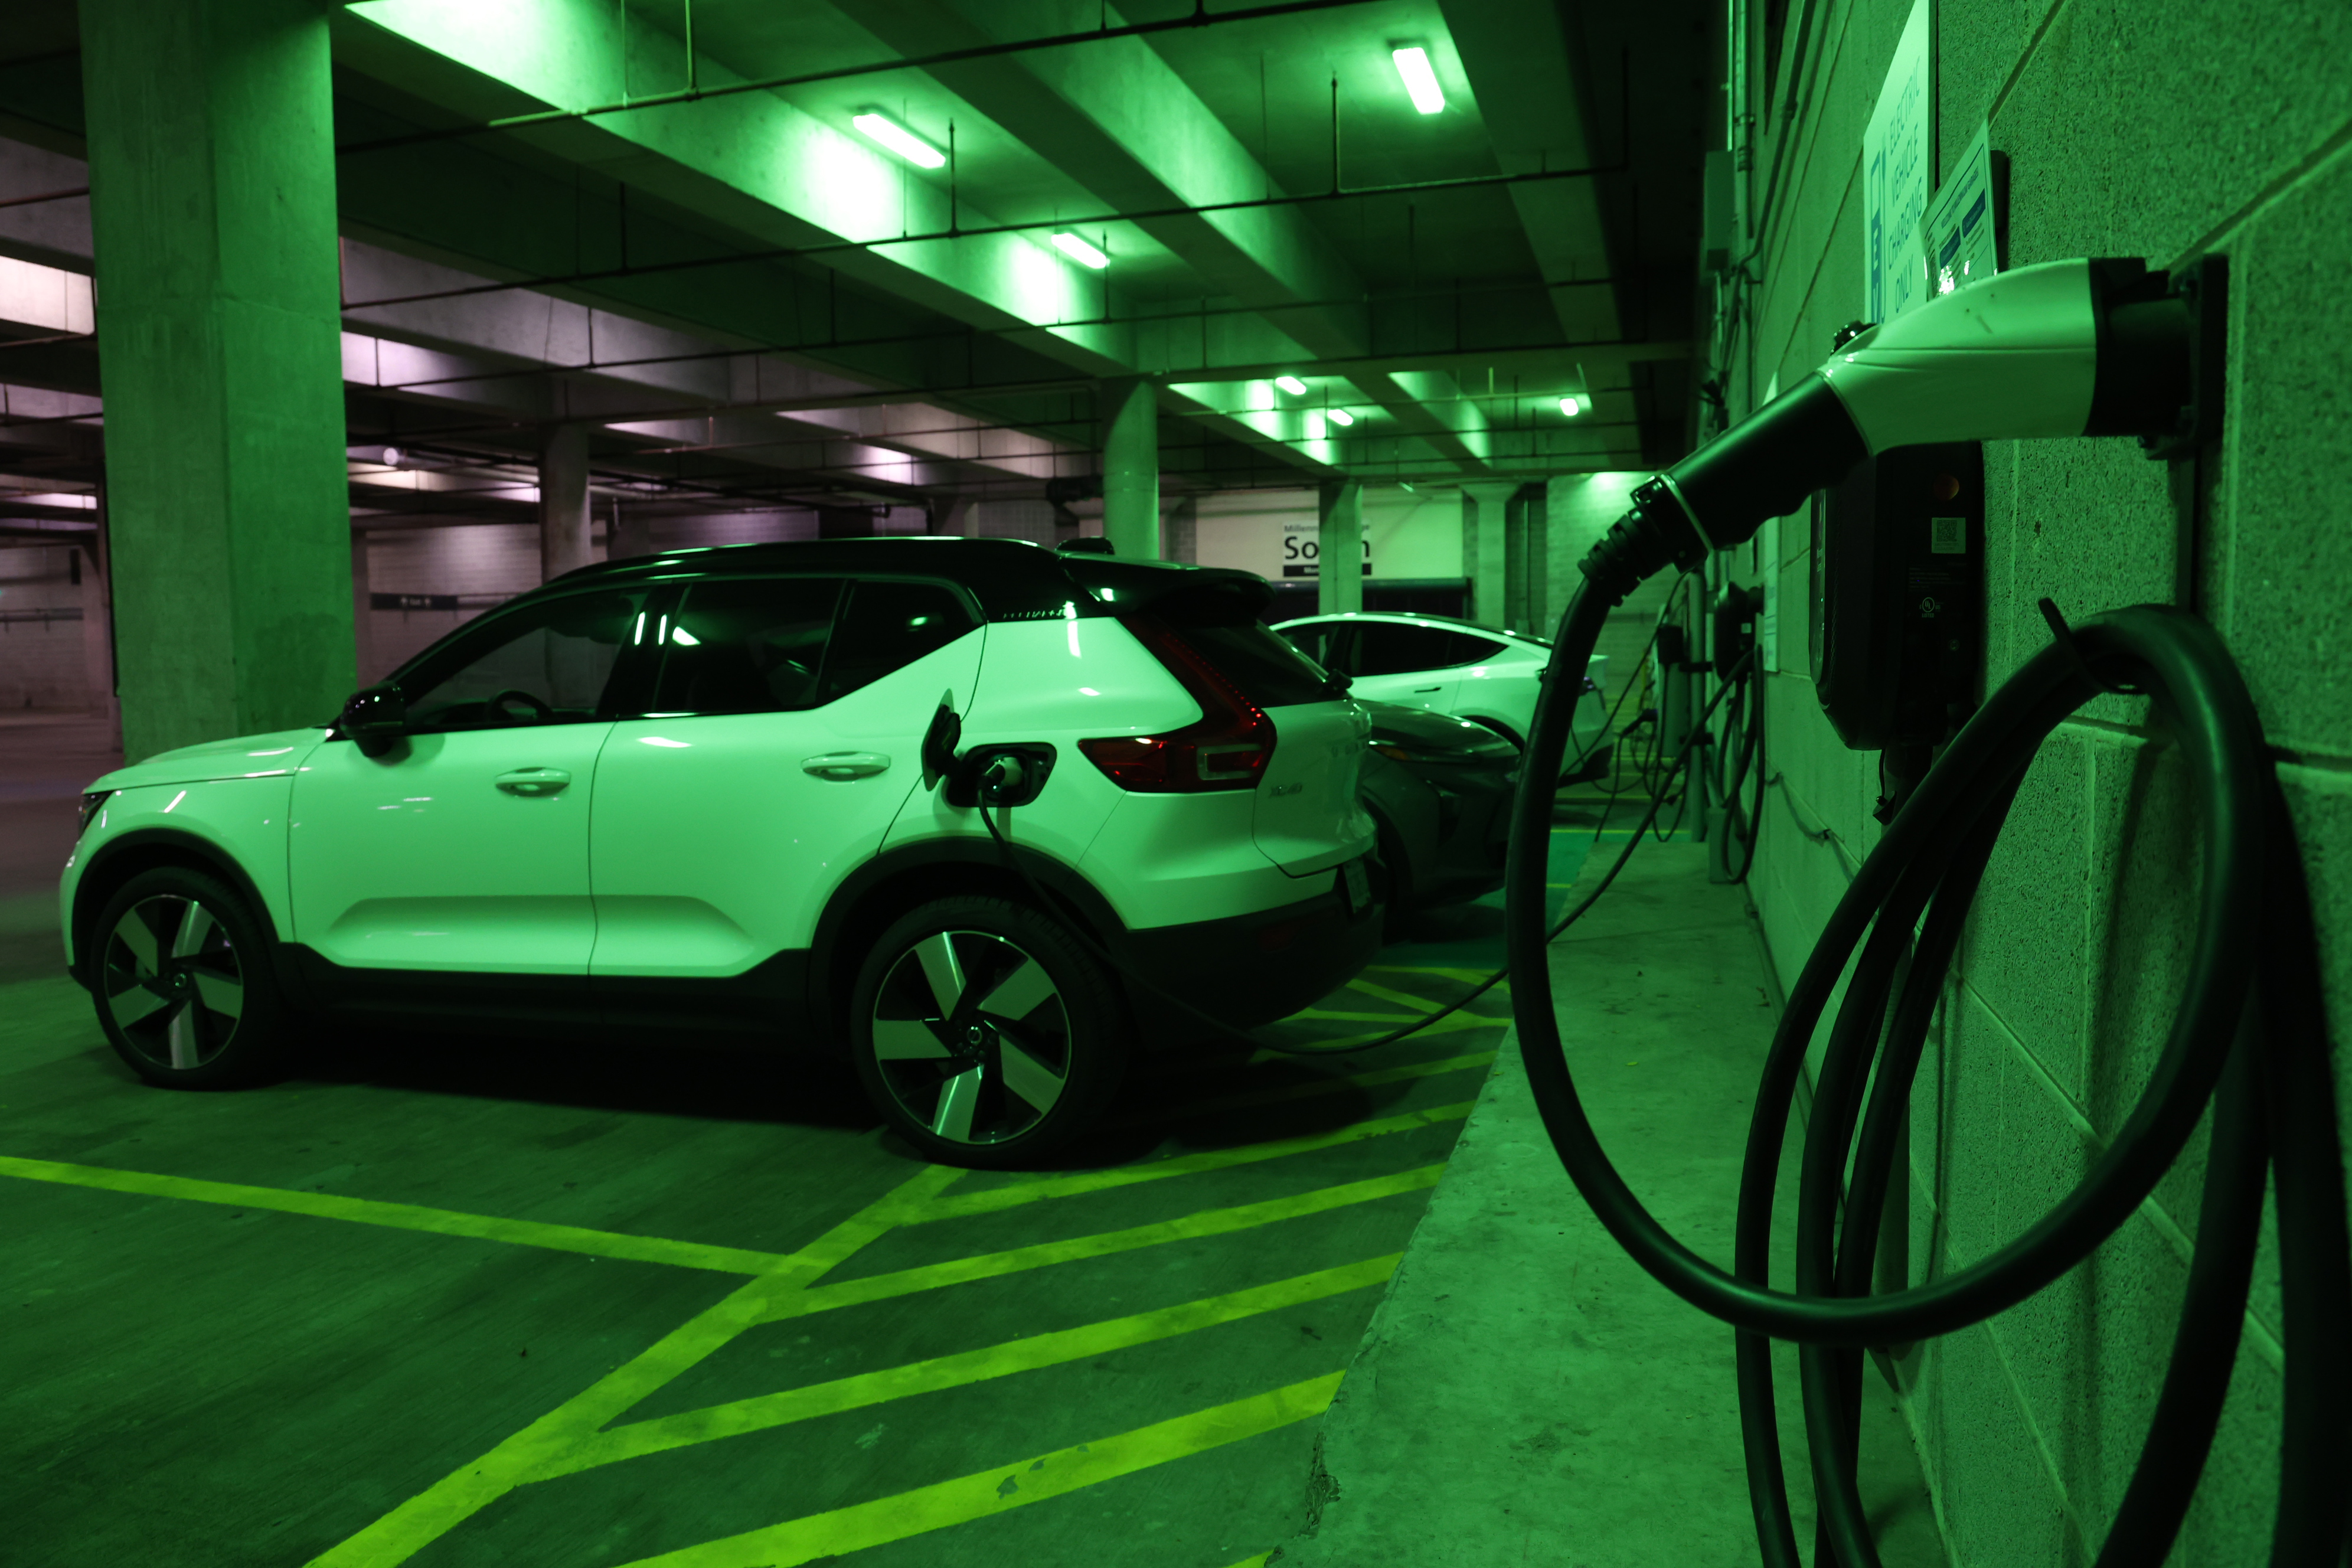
[1079,251]
[881,128]
[1291,385]
[1412,64]
[1340,416]
[1569,406]
[684,638]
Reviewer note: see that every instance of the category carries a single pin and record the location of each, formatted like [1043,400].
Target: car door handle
[534,781]
[846,765]
[1421,688]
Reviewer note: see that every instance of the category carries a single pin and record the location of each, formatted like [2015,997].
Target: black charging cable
[2252,982]
[989,791]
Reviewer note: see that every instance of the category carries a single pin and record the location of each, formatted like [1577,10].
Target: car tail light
[1227,747]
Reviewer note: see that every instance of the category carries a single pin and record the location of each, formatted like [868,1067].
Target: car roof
[1013,579]
[1414,617]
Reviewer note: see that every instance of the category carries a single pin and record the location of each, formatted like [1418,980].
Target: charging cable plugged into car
[2066,347]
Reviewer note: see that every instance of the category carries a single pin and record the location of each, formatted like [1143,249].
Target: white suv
[1458,668]
[722,791]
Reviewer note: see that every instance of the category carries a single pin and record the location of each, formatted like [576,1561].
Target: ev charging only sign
[1898,169]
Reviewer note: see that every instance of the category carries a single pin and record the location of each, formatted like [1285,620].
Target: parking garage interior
[327,329]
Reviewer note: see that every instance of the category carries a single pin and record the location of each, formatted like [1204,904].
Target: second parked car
[1453,667]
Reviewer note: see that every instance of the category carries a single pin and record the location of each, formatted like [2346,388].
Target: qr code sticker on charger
[1948,536]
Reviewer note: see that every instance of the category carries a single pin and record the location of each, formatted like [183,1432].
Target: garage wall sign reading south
[1302,548]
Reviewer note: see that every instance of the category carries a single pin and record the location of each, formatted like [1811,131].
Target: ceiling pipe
[1199,18]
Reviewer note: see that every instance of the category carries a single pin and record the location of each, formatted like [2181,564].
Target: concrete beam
[1116,119]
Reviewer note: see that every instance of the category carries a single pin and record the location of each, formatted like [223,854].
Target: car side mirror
[376,718]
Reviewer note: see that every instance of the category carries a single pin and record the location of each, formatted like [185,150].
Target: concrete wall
[43,665]
[502,559]
[2133,130]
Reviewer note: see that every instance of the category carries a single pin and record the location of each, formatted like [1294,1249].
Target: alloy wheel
[971,1037]
[171,982]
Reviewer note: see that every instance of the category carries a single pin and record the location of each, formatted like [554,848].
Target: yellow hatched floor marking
[1450,1023]
[993,1200]
[407,1217]
[1014,1260]
[771,1410]
[993,1491]
[1451,971]
[540,1447]
[450,1501]
[1338,1083]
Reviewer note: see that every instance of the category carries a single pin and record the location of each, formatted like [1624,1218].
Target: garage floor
[446,1301]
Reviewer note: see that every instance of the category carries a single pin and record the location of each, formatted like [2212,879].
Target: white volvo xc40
[733,791]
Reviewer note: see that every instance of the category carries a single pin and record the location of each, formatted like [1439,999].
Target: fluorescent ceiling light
[1412,64]
[1340,416]
[898,139]
[1291,385]
[1079,250]
[1569,406]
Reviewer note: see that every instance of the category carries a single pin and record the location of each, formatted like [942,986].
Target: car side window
[1467,647]
[1309,641]
[1390,647]
[886,626]
[746,644]
[548,662]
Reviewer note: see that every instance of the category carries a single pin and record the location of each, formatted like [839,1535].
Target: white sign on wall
[1302,548]
[1898,169]
[1955,234]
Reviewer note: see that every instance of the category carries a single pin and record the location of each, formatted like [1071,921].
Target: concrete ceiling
[753,304]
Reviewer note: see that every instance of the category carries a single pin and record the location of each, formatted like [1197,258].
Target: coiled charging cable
[2252,980]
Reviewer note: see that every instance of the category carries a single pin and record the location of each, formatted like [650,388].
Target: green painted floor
[448,1300]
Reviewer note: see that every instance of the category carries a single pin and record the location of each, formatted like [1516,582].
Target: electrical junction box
[1898,595]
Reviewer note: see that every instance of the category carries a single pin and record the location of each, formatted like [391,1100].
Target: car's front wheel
[181,976]
[985,1032]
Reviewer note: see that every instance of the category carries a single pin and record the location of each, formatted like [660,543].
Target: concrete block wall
[44,664]
[2132,130]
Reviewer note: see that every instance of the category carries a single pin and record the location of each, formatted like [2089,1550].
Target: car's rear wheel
[985,1032]
[181,976]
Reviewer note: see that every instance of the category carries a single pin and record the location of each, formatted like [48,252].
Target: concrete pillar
[630,533]
[210,129]
[954,515]
[363,613]
[1485,560]
[1130,421]
[97,625]
[562,500]
[1525,531]
[1338,547]
[1179,531]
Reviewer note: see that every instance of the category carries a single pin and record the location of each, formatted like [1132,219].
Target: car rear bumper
[1245,970]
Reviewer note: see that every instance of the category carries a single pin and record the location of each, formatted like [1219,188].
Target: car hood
[1404,726]
[244,757]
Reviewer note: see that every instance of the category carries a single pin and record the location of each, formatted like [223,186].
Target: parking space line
[407,1217]
[399,1534]
[1192,1227]
[1338,1083]
[771,1410]
[990,1492]
[994,1200]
